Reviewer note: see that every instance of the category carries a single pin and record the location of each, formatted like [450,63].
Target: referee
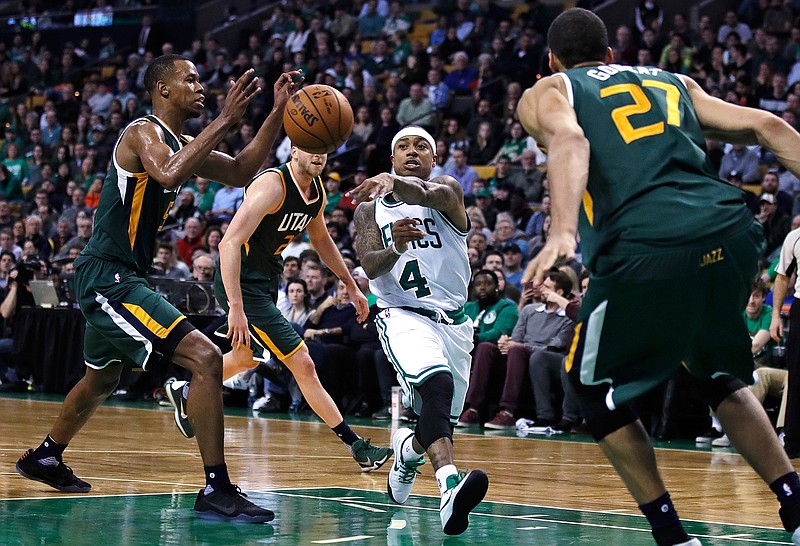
[787,266]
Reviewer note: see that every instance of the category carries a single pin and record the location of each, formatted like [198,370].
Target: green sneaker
[368,456]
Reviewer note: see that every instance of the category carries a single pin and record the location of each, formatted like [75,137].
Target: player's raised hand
[404,231]
[238,332]
[285,86]
[241,92]
[372,188]
[557,248]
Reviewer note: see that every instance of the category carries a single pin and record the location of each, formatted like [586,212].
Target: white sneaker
[722,441]
[240,381]
[464,492]
[796,537]
[403,473]
[692,542]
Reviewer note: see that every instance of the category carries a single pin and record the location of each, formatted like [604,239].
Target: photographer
[18,294]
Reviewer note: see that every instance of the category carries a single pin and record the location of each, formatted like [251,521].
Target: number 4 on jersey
[412,279]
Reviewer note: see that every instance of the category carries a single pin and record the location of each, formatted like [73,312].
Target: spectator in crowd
[192,238]
[203,195]
[462,172]
[514,266]
[203,268]
[184,209]
[226,201]
[82,236]
[741,159]
[770,184]
[493,317]
[166,263]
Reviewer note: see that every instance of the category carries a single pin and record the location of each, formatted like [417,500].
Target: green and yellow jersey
[651,185]
[132,209]
[261,254]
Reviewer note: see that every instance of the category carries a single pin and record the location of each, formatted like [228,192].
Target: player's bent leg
[44,464]
[367,456]
[461,492]
[239,360]
[196,353]
[303,370]
[750,431]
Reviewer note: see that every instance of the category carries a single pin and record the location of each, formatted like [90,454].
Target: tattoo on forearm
[375,259]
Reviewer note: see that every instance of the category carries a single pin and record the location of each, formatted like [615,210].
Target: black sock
[787,489]
[217,477]
[345,433]
[664,521]
[49,448]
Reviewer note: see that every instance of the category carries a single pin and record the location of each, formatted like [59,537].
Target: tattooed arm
[376,259]
[442,193]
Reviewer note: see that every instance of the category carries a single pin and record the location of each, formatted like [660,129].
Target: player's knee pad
[434,418]
[719,388]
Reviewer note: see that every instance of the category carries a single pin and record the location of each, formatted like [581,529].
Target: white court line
[285,492]
[363,507]
[574,523]
[344,539]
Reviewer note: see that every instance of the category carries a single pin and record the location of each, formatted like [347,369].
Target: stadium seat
[485,171]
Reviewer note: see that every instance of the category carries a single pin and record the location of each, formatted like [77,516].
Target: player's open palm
[240,94]
[238,332]
[372,188]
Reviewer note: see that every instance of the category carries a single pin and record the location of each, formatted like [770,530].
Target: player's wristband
[394,249]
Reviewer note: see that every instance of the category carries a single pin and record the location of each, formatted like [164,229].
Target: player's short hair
[578,36]
[159,69]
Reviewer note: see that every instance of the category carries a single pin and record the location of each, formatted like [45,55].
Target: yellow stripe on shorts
[149,322]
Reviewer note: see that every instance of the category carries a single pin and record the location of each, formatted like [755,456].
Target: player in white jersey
[411,240]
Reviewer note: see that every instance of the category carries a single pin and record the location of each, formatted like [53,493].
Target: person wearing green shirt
[493,316]
[757,317]
[18,168]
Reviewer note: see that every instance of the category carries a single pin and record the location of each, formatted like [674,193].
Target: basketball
[318,119]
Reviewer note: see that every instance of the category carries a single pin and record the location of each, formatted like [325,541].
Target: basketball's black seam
[305,131]
[321,117]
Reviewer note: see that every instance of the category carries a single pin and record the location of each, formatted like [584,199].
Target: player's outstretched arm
[238,171]
[442,193]
[741,125]
[143,146]
[264,196]
[547,115]
[320,239]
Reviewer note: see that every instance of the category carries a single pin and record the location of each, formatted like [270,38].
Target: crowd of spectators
[64,107]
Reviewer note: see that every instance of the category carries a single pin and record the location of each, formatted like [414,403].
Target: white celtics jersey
[433,273]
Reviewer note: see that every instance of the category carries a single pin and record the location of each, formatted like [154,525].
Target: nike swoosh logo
[183,414]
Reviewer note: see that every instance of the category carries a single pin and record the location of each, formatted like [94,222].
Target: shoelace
[408,471]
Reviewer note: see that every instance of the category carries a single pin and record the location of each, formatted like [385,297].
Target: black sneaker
[407,415]
[58,476]
[230,505]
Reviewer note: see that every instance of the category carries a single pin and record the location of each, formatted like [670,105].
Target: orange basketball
[318,119]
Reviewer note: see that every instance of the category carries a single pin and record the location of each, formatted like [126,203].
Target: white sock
[408,452]
[715,423]
[185,392]
[442,474]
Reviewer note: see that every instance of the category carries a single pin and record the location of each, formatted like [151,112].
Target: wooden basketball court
[558,490]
